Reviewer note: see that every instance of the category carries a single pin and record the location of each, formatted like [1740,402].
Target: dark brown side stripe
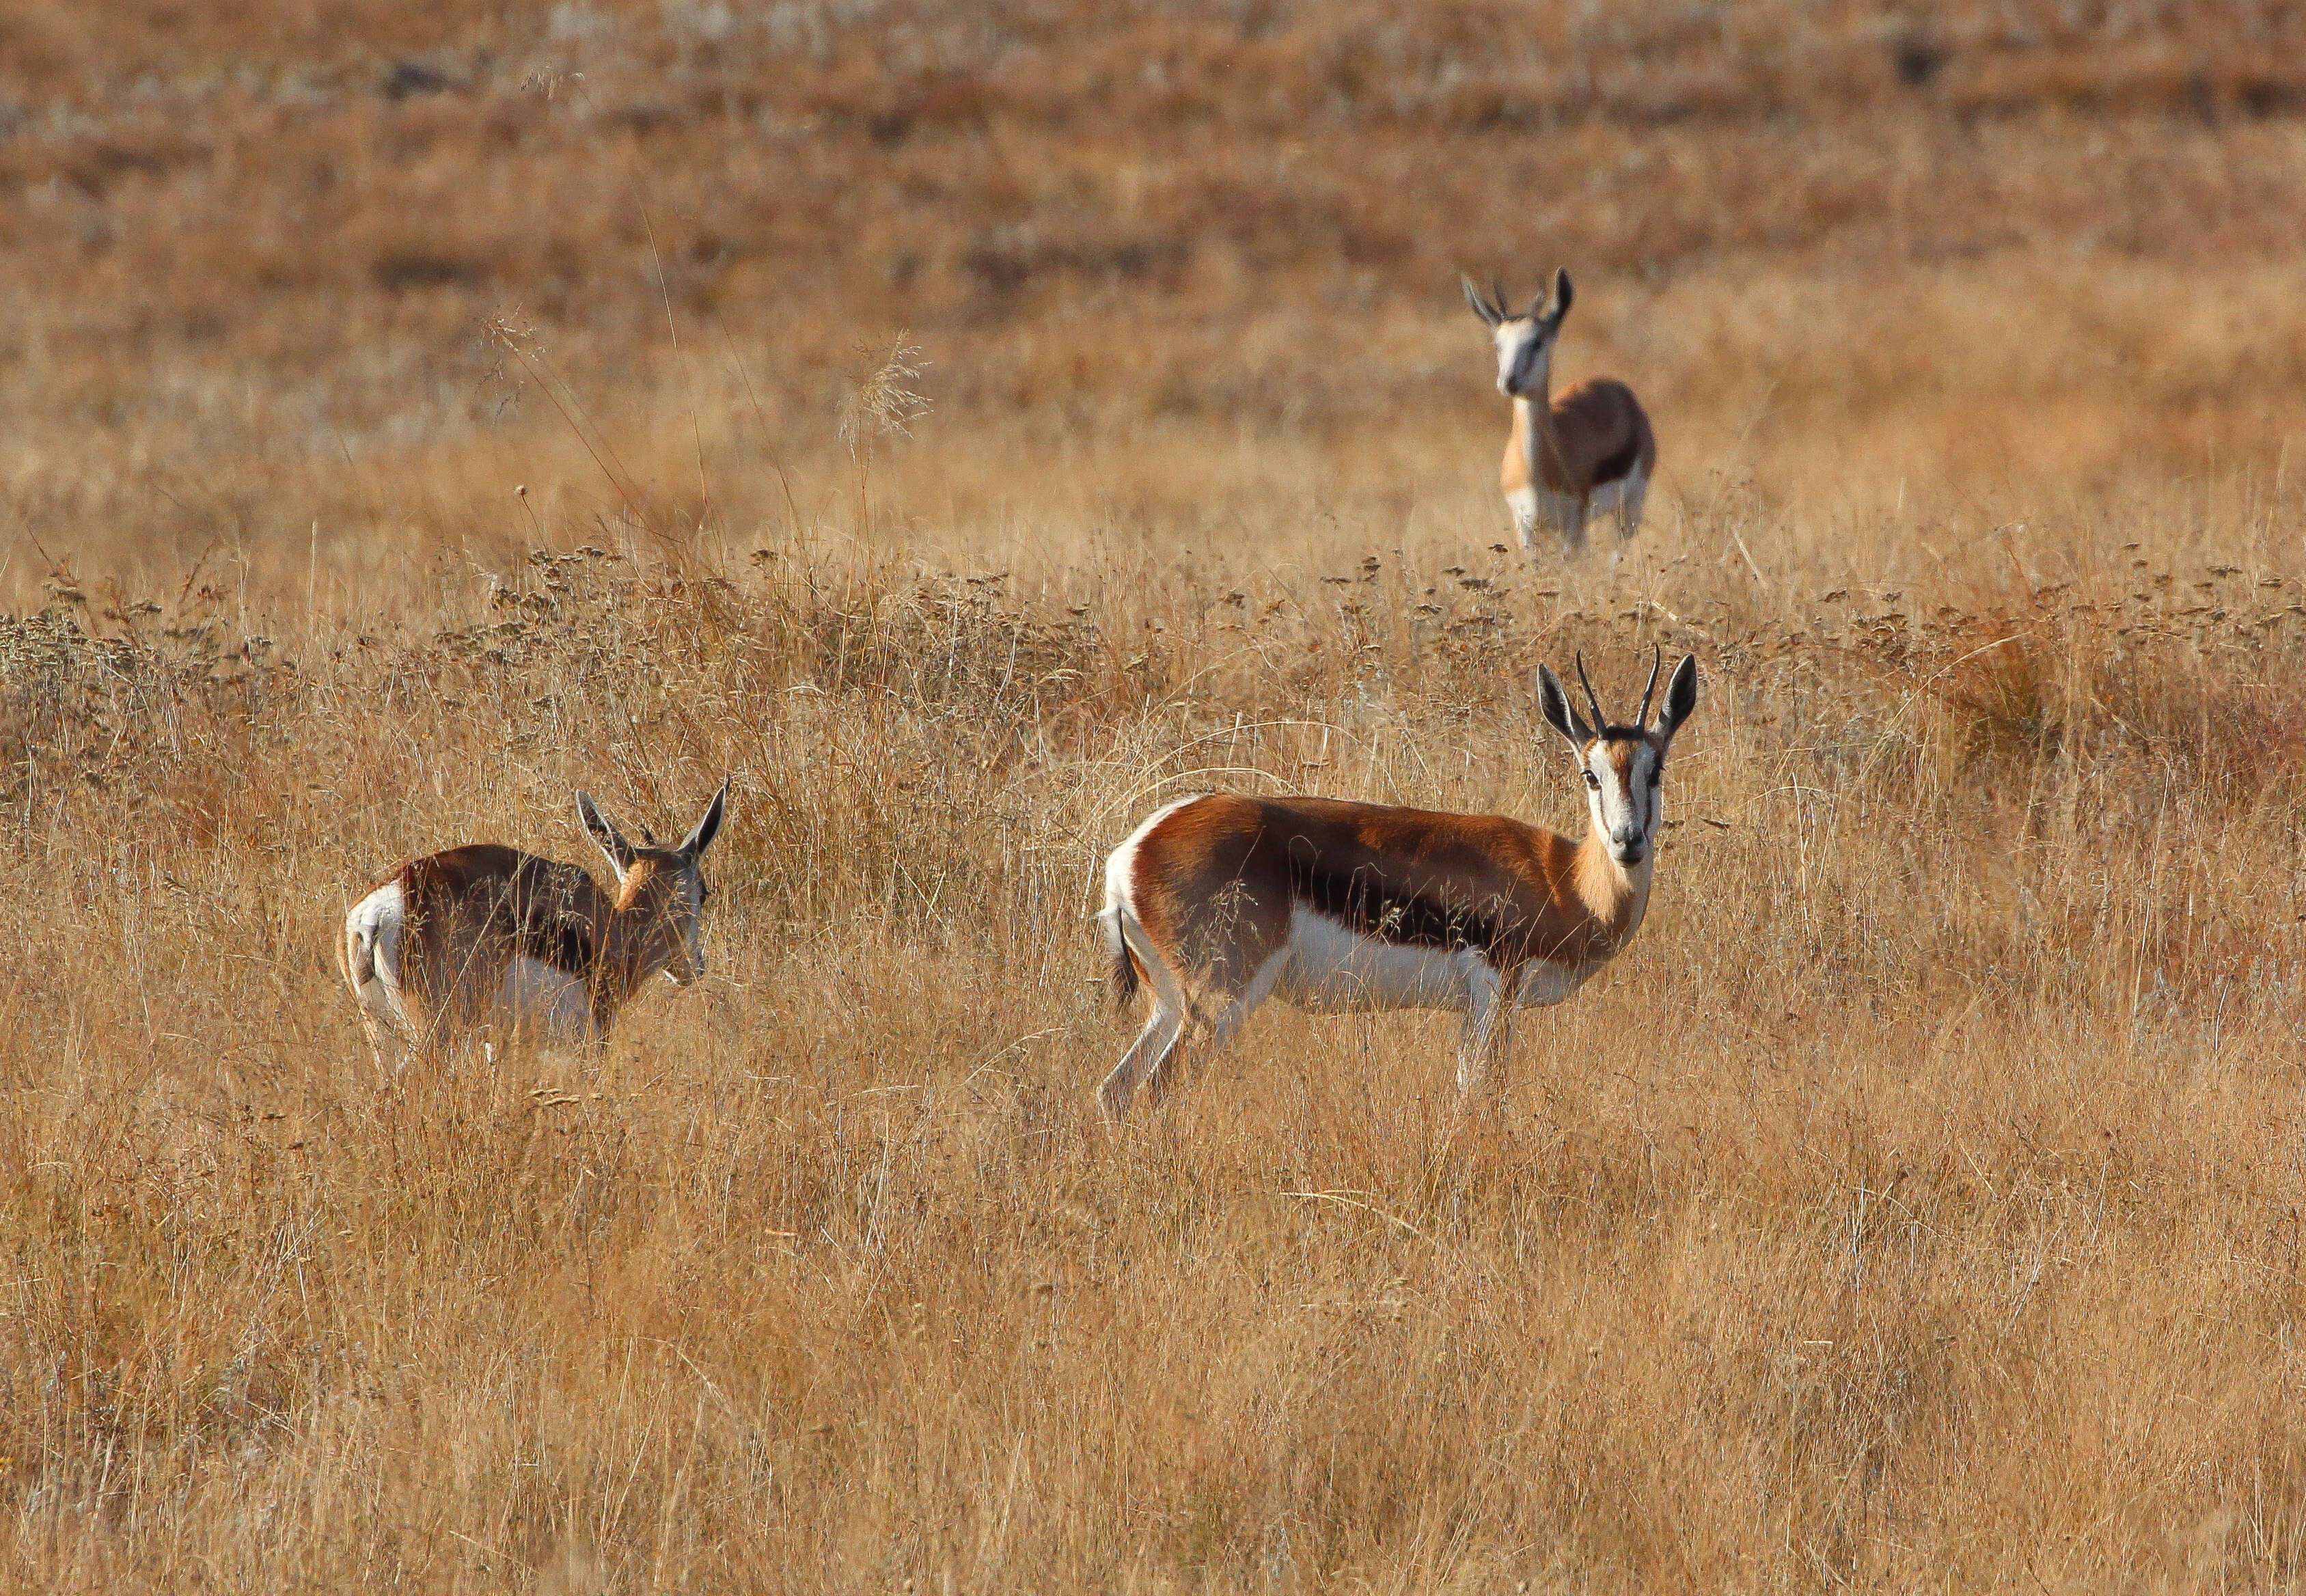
[545,910]
[1364,902]
[1620,463]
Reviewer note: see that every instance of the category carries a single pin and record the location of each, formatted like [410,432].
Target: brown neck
[1613,897]
[624,960]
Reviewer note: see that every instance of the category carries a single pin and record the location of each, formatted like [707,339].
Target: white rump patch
[372,931]
[1121,865]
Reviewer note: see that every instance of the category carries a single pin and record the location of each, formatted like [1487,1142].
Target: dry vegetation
[408,413]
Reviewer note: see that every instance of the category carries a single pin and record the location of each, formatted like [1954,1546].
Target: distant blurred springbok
[1587,453]
[485,938]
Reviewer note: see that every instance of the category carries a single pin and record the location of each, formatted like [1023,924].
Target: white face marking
[1525,355]
[1331,969]
[1624,800]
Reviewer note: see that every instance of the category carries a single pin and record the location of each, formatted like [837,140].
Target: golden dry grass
[1918,1203]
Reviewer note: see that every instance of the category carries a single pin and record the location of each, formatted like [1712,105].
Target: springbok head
[1525,341]
[663,889]
[1624,766]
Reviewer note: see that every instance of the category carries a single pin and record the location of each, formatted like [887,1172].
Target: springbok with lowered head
[1219,901]
[1588,453]
[485,938]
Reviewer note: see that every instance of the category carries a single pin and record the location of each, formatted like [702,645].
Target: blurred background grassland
[970,426]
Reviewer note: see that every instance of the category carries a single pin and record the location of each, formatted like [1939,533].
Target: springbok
[1587,453]
[488,937]
[1222,901]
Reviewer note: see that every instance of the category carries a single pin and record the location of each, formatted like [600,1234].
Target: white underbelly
[1331,969]
[546,1003]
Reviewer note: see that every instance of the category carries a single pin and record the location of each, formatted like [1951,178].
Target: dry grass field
[410,413]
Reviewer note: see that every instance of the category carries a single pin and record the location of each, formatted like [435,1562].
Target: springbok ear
[1681,697]
[694,844]
[1553,703]
[1480,306]
[607,838]
[1563,292]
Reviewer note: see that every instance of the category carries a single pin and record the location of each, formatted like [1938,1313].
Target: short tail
[1124,964]
[358,953]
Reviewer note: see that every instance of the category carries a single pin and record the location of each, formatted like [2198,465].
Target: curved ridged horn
[1601,720]
[1657,658]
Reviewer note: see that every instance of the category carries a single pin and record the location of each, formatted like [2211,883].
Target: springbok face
[663,888]
[1525,343]
[1623,766]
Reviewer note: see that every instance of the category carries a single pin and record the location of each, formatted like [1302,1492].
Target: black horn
[1657,658]
[1601,720]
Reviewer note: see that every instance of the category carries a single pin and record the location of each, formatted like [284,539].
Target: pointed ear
[605,837]
[694,844]
[1553,703]
[1563,292]
[1481,307]
[1681,697]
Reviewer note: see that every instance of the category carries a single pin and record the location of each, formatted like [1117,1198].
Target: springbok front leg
[1523,504]
[1487,1033]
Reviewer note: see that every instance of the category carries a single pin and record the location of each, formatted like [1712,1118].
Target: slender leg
[1236,1010]
[1156,1074]
[1487,1033]
[1630,507]
[1155,1042]
[1524,515]
[1573,526]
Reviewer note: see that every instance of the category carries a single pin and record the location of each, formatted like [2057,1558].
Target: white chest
[1330,969]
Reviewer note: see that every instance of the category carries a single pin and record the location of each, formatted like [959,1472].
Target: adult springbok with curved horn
[488,937]
[1588,453]
[1219,901]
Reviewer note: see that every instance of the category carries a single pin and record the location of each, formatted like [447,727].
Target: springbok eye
[1592,780]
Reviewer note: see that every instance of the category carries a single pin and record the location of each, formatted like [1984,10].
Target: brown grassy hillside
[410,413]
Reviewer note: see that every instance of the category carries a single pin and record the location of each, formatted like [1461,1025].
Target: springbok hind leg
[1630,497]
[1233,1011]
[1573,526]
[1148,1053]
